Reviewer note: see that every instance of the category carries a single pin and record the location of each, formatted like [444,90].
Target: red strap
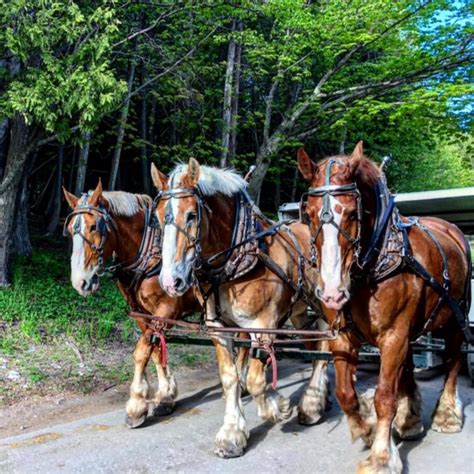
[164,349]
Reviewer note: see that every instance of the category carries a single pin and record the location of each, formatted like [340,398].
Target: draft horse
[388,279]
[200,211]
[118,224]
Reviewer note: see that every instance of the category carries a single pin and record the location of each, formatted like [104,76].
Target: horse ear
[193,171]
[306,165]
[358,152]
[96,195]
[70,198]
[160,180]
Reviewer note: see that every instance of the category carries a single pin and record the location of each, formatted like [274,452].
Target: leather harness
[388,222]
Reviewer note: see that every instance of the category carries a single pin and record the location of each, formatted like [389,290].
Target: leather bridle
[327,216]
[104,223]
[194,241]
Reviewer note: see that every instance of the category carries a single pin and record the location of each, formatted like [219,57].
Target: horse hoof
[228,451]
[163,409]
[410,434]
[133,423]
[308,419]
[230,442]
[453,425]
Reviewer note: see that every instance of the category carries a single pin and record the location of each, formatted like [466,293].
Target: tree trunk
[23,139]
[73,166]
[235,102]
[143,136]
[227,108]
[55,210]
[265,153]
[4,138]
[21,239]
[294,185]
[121,130]
[82,164]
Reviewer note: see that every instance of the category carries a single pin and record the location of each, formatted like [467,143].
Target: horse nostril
[84,285]
[179,283]
[319,293]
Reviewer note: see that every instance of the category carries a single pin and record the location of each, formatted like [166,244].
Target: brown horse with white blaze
[103,224]
[387,312]
[197,209]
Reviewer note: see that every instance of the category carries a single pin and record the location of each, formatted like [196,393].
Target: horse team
[210,250]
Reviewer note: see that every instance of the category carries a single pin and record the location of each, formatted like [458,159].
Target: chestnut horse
[197,211]
[103,224]
[390,311]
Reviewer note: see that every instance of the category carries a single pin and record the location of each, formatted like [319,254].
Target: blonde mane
[212,180]
[126,204]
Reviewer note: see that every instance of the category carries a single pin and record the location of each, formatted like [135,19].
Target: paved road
[183,442]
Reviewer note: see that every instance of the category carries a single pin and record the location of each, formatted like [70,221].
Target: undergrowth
[42,303]
[52,339]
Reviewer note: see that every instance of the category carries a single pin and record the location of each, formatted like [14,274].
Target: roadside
[37,409]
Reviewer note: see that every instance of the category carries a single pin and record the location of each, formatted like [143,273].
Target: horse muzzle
[333,298]
[175,285]
[87,286]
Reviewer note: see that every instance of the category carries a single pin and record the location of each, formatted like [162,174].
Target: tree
[56,72]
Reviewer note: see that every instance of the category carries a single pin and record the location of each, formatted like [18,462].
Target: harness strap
[378,234]
[442,290]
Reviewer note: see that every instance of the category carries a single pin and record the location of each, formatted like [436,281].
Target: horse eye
[190,217]
[353,216]
[93,228]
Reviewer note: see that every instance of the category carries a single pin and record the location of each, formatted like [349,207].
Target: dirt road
[183,442]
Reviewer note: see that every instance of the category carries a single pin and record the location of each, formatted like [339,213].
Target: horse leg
[447,416]
[165,396]
[314,400]
[137,405]
[358,410]
[232,437]
[242,366]
[384,456]
[407,422]
[271,405]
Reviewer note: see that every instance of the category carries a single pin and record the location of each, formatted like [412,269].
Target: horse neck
[129,233]
[220,224]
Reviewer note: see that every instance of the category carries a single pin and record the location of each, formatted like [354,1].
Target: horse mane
[364,171]
[213,180]
[126,204]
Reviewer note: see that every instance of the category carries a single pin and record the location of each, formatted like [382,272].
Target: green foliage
[60,71]
[43,303]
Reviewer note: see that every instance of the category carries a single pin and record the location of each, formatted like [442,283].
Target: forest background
[101,88]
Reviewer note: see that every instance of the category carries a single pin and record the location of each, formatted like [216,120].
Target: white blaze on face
[331,259]
[78,272]
[168,251]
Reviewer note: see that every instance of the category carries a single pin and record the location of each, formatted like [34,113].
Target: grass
[58,340]
[42,303]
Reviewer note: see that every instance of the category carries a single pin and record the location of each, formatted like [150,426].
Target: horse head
[89,224]
[196,210]
[339,227]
